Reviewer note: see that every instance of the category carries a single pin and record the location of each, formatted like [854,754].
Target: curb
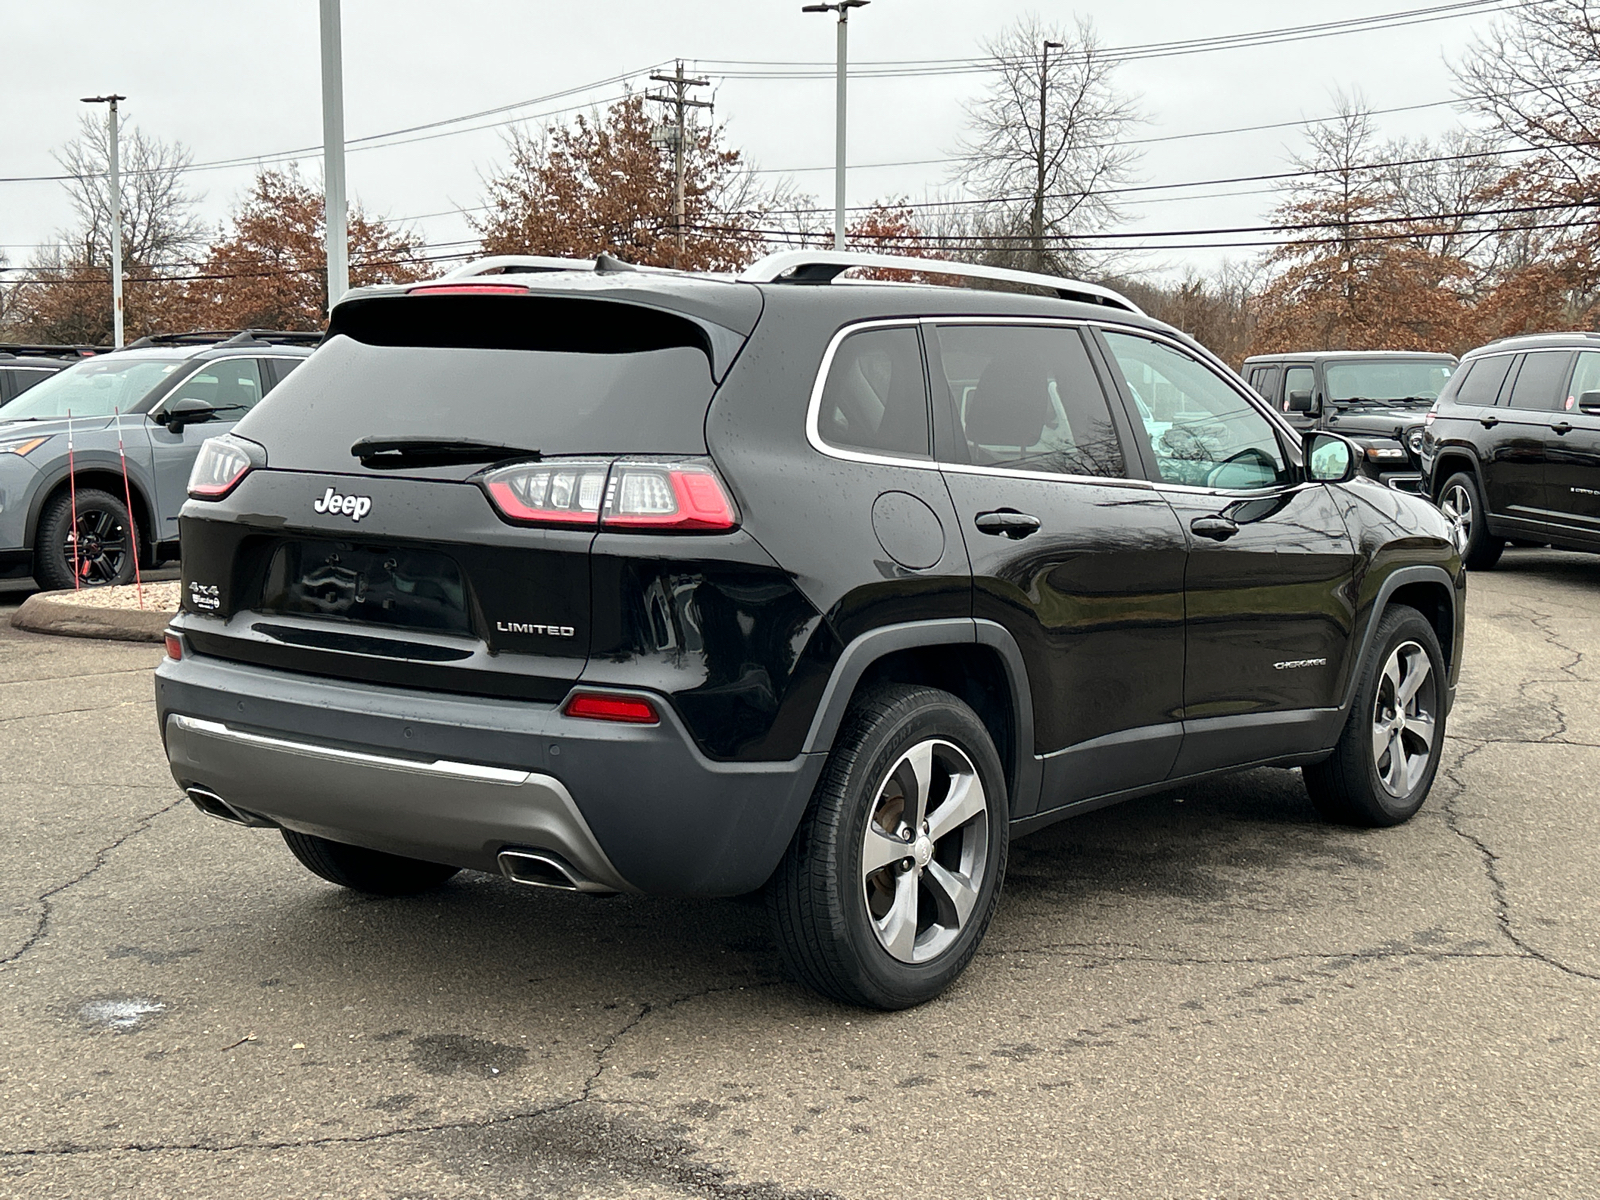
[44,613]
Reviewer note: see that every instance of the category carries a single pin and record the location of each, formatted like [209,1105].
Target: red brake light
[174,645]
[469,289]
[218,468]
[609,706]
[555,493]
[680,495]
[1428,419]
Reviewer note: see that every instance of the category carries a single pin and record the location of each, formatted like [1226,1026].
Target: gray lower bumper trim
[461,813]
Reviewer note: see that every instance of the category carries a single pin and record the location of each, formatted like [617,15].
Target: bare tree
[1045,144]
[159,224]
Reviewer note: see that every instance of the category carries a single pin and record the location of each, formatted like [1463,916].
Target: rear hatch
[423,494]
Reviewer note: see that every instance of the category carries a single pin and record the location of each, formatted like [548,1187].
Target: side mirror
[190,410]
[1300,402]
[1589,403]
[1329,458]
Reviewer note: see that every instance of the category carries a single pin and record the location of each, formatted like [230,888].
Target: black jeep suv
[1513,446]
[1376,398]
[628,581]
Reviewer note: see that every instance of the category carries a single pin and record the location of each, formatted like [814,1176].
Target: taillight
[174,645]
[1428,419]
[611,706]
[672,495]
[551,493]
[221,464]
[682,496]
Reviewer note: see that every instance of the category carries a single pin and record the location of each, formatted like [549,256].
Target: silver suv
[64,506]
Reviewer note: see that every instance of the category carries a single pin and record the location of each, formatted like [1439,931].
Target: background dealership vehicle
[1513,446]
[695,587]
[172,391]
[1377,398]
[22,366]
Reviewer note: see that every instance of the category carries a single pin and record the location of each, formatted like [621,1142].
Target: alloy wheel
[96,546]
[1404,713]
[925,851]
[1456,504]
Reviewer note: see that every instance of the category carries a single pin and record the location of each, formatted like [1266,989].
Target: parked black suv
[636,581]
[1376,398]
[1513,445]
[22,366]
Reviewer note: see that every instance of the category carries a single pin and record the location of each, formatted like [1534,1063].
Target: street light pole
[333,195]
[843,8]
[115,182]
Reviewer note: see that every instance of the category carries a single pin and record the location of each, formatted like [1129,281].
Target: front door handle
[1217,528]
[1562,427]
[1488,422]
[1007,521]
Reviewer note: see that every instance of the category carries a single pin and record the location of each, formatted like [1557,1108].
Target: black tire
[109,542]
[1462,498]
[1350,787]
[822,898]
[365,870]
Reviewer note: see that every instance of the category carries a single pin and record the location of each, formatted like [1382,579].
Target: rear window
[644,401]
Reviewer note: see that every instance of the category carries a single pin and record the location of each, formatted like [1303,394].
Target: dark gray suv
[64,515]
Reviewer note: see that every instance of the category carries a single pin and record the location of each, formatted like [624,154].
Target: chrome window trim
[814,407]
[1051,476]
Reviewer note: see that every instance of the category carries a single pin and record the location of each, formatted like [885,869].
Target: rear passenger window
[1541,381]
[1266,383]
[876,396]
[1027,398]
[1480,387]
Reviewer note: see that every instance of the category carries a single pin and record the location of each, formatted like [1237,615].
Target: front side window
[231,386]
[1585,378]
[1201,431]
[876,397]
[1298,379]
[97,387]
[1538,384]
[1027,398]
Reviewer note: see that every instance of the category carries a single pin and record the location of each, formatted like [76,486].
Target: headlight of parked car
[1414,440]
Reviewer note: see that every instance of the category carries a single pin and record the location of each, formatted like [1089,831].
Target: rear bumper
[457,779]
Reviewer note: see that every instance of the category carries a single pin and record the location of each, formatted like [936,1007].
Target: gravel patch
[158,597]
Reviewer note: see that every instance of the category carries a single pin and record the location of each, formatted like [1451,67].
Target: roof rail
[16,349]
[517,264]
[821,266]
[231,337]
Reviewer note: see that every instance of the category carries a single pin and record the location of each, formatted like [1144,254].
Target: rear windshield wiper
[433,452]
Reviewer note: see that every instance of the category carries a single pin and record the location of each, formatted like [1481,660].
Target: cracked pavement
[1203,993]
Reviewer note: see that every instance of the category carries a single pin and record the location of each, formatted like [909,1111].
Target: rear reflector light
[470,289]
[550,493]
[1428,419]
[174,645]
[221,464]
[679,495]
[609,706]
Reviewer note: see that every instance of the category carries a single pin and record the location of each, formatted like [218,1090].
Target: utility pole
[115,182]
[1036,226]
[333,197]
[841,71]
[675,133]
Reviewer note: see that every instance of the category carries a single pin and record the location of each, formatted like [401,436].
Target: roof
[1319,355]
[1578,339]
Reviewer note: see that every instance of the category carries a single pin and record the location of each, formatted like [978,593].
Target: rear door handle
[1007,521]
[1217,528]
[1562,427]
[1488,422]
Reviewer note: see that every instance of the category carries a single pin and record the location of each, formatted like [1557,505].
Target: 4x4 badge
[354,507]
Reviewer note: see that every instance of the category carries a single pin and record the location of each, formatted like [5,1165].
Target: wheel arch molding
[978,661]
[97,469]
[1450,459]
[1429,590]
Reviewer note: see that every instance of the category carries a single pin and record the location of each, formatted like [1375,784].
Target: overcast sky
[232,79]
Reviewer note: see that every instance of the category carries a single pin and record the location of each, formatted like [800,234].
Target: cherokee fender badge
[1296,663]
[332,503]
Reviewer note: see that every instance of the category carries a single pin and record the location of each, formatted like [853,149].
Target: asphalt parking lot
[1207,993]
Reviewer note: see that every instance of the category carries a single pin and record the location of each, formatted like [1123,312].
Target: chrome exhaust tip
[540,868]
[214,805]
